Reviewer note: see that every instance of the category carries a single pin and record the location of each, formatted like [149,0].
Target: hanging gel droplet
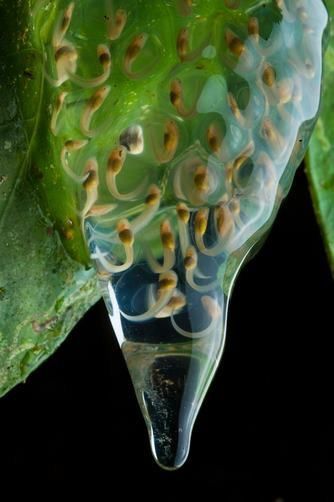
[171,375]
[191,136]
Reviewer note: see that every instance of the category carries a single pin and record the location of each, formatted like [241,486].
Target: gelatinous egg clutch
[182,124]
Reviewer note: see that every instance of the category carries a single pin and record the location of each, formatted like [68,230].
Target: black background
[266,428]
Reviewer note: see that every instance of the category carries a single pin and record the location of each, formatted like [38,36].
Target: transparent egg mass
[180,124]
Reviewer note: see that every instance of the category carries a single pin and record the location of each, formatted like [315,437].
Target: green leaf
[320,158]
[43,291]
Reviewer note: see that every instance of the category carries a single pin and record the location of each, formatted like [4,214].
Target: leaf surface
[43,291]
[320,158]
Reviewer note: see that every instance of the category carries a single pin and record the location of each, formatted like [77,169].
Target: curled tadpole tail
[177,127]
[172,358]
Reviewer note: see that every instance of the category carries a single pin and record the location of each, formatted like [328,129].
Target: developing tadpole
[176,127]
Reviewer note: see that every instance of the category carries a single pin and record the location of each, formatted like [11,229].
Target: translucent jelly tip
[168,405]
[173,461]
[169,388]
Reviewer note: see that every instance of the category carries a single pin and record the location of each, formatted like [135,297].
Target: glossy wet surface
[265,428]
[187,140]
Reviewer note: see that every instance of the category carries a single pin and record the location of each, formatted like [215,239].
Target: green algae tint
[178,125]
